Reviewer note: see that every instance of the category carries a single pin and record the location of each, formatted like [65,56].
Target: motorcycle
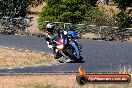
[68,47]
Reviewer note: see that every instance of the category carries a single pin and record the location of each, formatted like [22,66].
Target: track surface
[99,56]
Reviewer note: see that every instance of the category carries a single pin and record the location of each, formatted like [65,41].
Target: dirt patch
[18,57]
[130,39]
[89,35]
[108,7]
[34,28]
[50,81]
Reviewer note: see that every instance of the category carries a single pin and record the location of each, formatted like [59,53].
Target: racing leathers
[51,44]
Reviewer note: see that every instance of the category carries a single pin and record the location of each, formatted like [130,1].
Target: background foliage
[124,17]
[16,8]
[72,11]
[100,16]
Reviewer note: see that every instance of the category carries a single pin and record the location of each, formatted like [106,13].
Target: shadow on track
[72,61]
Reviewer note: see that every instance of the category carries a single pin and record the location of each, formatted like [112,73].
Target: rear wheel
[71,55]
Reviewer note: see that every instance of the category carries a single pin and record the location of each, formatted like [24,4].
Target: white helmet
[50,27]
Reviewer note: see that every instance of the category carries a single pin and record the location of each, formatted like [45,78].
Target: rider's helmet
[50,27]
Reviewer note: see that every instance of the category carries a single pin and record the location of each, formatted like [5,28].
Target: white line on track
[49,65]
[10,71]
[21,67]
[10,68]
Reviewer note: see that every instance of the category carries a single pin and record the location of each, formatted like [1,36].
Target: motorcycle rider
[51,34]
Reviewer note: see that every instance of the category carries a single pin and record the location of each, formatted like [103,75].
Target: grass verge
[18,57]
[51,81]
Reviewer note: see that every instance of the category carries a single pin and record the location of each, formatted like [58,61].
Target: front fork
[79,46]
[76,47]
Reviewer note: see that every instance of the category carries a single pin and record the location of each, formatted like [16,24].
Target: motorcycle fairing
[76,49]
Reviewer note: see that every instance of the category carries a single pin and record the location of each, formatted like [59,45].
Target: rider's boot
[57,55]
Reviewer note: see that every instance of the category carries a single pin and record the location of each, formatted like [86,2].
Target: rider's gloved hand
[47,38]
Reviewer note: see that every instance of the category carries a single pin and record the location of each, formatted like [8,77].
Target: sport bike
[67,46]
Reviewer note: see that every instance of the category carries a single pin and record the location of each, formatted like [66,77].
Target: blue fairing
[73,33]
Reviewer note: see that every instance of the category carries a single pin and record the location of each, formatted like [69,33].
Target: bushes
[100,17]
[16,8]
[72,11]
[76,11]
[84,11]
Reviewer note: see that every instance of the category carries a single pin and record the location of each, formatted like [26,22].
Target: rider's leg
[57,55]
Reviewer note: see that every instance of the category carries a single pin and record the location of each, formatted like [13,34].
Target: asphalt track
[99,56]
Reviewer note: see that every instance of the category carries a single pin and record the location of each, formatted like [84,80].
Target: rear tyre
[57,55]
[72,56]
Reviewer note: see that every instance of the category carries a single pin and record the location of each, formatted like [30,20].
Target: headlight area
[60,46]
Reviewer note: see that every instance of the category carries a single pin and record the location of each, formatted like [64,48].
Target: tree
[123,4]
[65,10]
[123,17]
[15,8]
